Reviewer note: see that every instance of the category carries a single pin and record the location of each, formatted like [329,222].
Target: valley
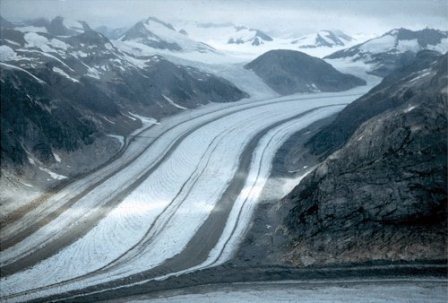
[183,162]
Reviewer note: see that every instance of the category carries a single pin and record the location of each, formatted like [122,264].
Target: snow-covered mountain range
[395,48]
[65,86]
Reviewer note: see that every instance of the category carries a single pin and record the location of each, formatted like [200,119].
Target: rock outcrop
[383,194]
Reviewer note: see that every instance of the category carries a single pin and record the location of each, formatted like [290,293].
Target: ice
[127,223]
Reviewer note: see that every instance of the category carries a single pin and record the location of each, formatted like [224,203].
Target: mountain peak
[60,26]
[323,38]
[151,20]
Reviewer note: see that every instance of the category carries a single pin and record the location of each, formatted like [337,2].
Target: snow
[46,55]
[408,45]
[92,72]
[442,47]
[12,42]
[64,74]
[9,66]
[56,157]
[145,120]
[73,25]
[52,174]
[38,41]
[410,108]
[173,103]
[35,29]
[379,45]
[7,53]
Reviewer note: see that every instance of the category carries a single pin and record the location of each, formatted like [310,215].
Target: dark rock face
[386,95]
[393,50]
[383,195]
[141,33]
[288,72]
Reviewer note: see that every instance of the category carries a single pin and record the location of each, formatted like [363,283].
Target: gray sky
[288,16]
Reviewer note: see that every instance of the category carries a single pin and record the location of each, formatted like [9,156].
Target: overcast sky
[275,17]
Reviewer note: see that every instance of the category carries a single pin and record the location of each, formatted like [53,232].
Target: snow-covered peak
[323,38]
[58,26]
[159,35]
[399,41]
[394,48]
[220,34]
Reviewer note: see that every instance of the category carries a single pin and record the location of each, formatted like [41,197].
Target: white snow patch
[170,101]
[145,120]
[410,108]
[408,45]
[52,174]
[64,74]
[35,29]
[7,53]
[23,70]
[442,47]
[12,42]
[56,157]
[379,45]
[38,41]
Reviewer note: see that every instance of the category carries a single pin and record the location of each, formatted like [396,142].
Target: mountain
[58,26]
[219,35]
[323,38]
[382,195]
[156,34]
[62,94]
[394,49]
[111,33]
[288,72]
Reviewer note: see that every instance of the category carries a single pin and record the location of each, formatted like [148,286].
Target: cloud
[278,17]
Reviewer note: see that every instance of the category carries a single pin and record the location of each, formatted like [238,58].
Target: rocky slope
[288,72]
[394,49]
[383,195]
[323,38]
[333,136]
[65,87]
